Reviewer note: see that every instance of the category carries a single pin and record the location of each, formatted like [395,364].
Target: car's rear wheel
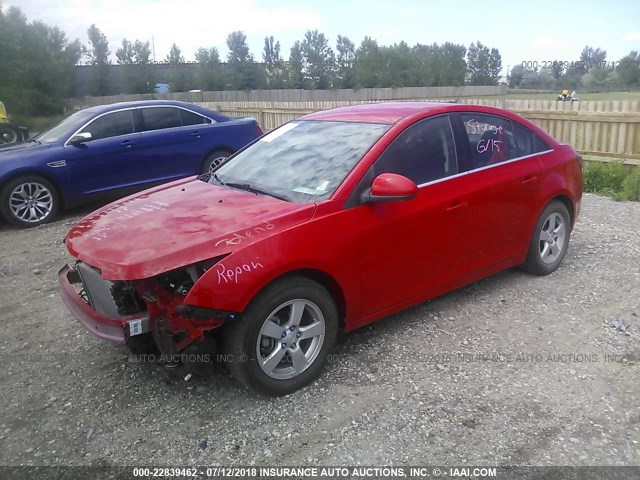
[29,201]
[214,160]
[8,135]
[550,239]
[281,342]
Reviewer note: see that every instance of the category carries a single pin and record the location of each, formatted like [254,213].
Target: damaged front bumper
[113,330]
[120,311]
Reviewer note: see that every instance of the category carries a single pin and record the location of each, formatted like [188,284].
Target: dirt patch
[514,369]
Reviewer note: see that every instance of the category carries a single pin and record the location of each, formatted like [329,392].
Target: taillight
[259,130]
[580,162]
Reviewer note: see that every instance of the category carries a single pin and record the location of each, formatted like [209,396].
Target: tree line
[312,63]
[37,65]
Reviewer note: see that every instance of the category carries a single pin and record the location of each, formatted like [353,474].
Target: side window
[539,145]
[190,118]
[423,152]
[524,140]
[491,139]
[111,125]
[157,118]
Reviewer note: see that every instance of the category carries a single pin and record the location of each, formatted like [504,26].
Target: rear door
[504,175]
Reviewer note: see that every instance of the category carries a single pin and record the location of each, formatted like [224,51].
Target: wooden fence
[299,95]
[599,130]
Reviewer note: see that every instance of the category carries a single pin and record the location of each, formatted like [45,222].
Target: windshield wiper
[217,179]
[250,188]
[206,177]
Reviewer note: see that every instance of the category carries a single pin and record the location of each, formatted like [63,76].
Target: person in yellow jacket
[4,118]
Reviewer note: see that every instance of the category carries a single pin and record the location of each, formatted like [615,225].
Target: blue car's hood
[23,148]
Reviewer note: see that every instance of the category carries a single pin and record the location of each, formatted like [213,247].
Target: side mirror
[390,187]
[80,138]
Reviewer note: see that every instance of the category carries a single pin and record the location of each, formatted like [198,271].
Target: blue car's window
[302,161]
[111,125]
[190,118]
[157,118]
[65,128]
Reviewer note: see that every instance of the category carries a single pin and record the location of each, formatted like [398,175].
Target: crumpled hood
[176,225]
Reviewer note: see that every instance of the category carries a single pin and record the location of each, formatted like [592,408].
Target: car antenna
[459,94]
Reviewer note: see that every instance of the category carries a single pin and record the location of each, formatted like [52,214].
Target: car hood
[18,149]
[175,225]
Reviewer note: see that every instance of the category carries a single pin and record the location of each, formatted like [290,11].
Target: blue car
[114,150]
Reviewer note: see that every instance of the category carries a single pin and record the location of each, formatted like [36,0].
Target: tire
[296,361]
[214,159]
[141,344]
[550,240]
[8,135]
[22,192]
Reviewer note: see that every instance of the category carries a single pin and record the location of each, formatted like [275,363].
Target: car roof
[387,112]
[148,103]
[393,112]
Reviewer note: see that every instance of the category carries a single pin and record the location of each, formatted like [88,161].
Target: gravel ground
[513,370]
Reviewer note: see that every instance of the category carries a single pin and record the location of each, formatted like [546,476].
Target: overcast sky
[537,30]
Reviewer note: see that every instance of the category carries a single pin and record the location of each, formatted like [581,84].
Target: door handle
[126,144]
[529,181]
[456,206]
[196,134]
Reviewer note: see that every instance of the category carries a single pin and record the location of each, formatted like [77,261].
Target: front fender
[25,162]
[231,283]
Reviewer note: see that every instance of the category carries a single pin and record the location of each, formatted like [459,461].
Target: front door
[411,247]
[110,160]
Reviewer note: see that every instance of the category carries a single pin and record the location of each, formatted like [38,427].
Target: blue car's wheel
[213,160]
[29,201]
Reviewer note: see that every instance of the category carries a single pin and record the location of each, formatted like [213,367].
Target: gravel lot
[557,386]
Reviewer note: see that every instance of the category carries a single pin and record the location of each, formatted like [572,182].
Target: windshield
[303,161]
[65,128]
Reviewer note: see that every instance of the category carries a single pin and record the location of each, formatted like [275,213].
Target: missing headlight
[180,281]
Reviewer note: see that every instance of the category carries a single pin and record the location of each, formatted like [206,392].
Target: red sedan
[330,222]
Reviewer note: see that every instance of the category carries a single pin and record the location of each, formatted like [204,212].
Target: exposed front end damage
[134,312]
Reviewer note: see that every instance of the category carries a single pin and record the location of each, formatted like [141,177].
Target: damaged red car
[326,224]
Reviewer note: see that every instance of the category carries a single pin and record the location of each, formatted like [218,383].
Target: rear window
[527,142]
[539,145]
[158,118]
[491,139]
[190,118]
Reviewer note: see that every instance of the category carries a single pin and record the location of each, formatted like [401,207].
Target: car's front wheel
[550,239]
[281,342]
[29,201]
[214,160]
